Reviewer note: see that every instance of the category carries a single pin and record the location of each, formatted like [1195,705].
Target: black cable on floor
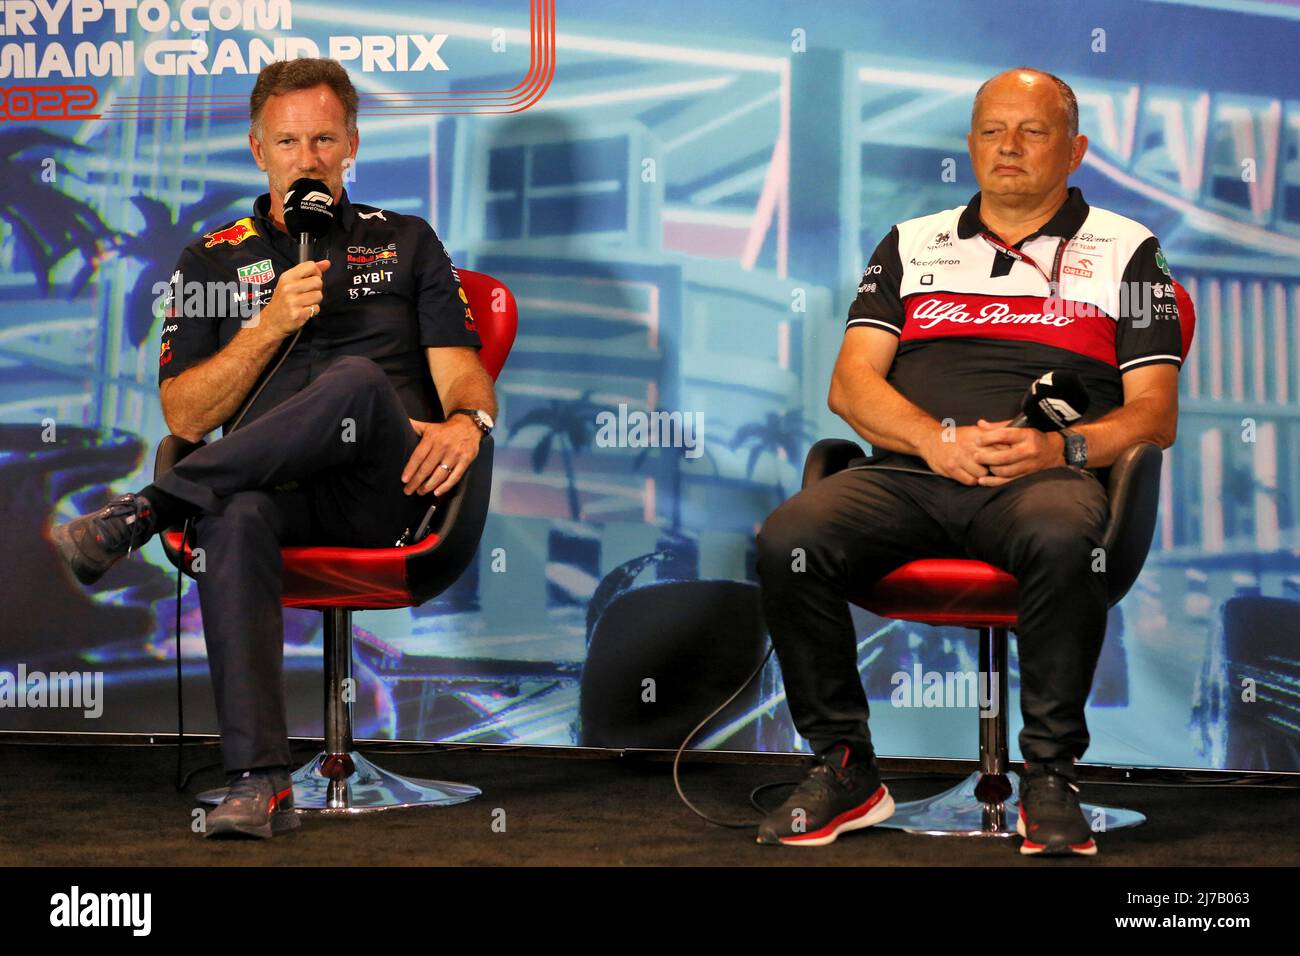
[731,825]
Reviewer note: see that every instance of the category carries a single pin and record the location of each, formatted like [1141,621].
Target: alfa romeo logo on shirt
[1162,263]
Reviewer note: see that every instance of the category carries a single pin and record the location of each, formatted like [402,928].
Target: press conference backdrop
[682,197]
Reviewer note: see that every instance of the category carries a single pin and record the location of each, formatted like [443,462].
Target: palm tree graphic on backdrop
[777,434]
[47,223]
[569,424]
[158,243]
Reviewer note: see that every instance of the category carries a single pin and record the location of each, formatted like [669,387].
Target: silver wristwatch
[479,417]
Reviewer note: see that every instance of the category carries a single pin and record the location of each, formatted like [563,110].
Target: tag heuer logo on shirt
[259,273]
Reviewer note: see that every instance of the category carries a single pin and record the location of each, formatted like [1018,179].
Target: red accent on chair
[495,315]
[944,591]
[382,578]
[323,576]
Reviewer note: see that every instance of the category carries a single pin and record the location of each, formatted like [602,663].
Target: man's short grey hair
[1068,99]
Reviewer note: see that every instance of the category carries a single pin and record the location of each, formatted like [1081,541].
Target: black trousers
[860,524]
[343,440]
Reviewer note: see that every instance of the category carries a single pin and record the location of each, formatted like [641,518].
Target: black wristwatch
[479,417]
[1076,448]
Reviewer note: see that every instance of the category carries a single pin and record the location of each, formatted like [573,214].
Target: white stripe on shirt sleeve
[877,322]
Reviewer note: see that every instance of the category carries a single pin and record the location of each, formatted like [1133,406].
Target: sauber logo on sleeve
[234,235]
[870,271]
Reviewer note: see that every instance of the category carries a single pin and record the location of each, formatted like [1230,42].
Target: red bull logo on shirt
[233,234]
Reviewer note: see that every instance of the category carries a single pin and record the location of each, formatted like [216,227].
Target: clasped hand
[992,453]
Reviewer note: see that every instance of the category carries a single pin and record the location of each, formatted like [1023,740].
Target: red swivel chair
[973,594]
[338,581]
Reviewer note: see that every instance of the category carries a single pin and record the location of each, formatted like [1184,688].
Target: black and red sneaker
[837,795]
[1051,820]
[258,804]
[93,543]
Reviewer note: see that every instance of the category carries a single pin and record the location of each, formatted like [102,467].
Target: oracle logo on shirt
[1077,326]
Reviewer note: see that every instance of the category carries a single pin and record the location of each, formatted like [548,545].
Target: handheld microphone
[1054,401]
[308,213]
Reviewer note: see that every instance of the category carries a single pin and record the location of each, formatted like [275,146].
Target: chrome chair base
[992,813]
[365,788]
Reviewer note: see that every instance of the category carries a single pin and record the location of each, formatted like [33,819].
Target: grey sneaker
[1051,820]
[837,795]
[93,543]
[259,804]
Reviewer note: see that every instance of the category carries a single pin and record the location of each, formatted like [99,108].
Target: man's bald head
[1026,77]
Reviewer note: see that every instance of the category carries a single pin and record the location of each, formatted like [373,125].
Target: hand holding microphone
[297,298]
[308,215]
[1030,441]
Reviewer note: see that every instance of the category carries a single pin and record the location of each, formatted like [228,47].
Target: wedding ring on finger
[446,468]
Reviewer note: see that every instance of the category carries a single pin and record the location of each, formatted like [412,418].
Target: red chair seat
[953,591]
[329,576]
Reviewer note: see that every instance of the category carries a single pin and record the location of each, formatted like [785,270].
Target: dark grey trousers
[858,525]
[343,440]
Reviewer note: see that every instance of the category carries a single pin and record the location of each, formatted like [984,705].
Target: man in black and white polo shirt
[956,315]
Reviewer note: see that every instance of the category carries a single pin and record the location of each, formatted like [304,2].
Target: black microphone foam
[1054,401]
[308,212]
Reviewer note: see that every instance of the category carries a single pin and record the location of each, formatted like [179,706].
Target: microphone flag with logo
[308,213]
[1054,401]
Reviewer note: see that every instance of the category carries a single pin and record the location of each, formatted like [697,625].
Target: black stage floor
[75,805]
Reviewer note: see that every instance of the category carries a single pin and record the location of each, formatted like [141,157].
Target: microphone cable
[677,782]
